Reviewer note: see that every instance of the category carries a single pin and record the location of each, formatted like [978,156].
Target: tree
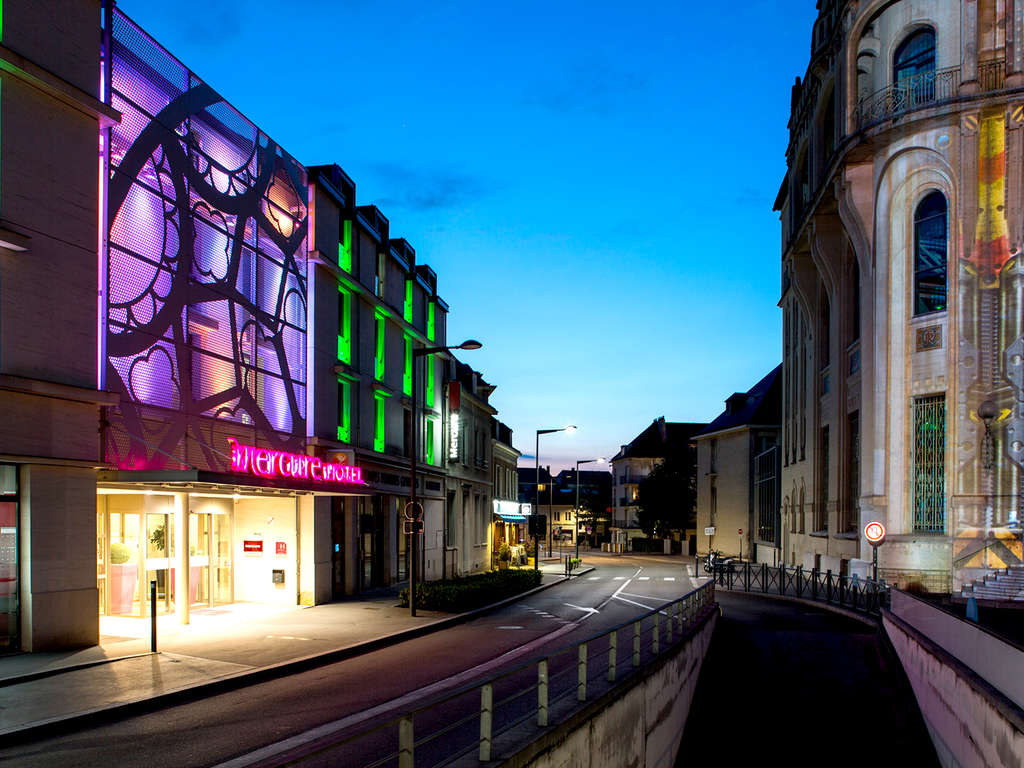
[667,497]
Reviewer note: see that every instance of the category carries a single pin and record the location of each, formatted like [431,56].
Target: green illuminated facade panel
[344,411]
[407,308]
[378,358]
[428,397]
[379,423]
[430,321]
[407,368]
[344,325]
[345,247]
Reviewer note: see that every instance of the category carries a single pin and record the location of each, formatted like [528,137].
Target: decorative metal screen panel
[929,467]
[206,275]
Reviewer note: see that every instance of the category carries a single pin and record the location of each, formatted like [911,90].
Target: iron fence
[852,592]
[467,723]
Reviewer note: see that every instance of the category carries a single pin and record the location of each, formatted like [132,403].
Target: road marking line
[581,608]
[510,626]
[633,602]
[670,578]
[407,700]
[645,578]
[624,585]
[618,578]
[593,578]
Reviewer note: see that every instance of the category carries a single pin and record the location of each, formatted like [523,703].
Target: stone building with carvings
[903,291]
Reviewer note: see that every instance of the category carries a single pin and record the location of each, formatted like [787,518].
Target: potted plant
[124,577]
[504,555]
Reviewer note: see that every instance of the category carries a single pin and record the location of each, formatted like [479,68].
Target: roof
[760,405]
[660,439]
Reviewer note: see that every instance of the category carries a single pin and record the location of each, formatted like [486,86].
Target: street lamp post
[412,515]
[577,507]
[536,488]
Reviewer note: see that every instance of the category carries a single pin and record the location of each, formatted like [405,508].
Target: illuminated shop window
[345,246]
[344,411]
[344,326]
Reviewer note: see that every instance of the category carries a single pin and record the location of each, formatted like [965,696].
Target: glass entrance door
[159,548]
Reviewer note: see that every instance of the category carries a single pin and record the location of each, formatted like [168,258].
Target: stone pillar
[969,42]
[181,549]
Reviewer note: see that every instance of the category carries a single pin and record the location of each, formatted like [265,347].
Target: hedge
[470,592]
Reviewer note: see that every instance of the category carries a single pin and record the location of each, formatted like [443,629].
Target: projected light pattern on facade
[206,266]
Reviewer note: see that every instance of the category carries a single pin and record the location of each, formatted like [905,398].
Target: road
[793,684]
[336,699]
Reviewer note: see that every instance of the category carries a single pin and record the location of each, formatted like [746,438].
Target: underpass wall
[971,723]
[638,723]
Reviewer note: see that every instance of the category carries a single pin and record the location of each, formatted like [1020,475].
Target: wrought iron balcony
[925,89]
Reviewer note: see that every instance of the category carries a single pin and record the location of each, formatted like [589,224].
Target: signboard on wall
[263,462]
[281,548]
[252,546]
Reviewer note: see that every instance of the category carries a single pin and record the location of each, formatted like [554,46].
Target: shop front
[208,539]
[511,521]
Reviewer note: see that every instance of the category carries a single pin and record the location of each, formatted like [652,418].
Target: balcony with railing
[926,89]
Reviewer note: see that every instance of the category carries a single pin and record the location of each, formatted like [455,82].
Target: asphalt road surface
[334,700]
[789,684]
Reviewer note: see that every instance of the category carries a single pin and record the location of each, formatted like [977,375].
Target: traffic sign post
[874,532]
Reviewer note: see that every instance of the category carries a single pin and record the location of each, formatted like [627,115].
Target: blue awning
[510,517]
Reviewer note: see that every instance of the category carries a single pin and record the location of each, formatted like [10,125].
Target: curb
[234,681]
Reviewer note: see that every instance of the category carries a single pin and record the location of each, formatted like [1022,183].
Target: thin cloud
[423,190]
[588,88]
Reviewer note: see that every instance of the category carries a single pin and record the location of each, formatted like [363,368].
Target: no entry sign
[874,532]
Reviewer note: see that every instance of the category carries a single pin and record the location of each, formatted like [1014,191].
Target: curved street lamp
[536,489]
[599,459]
[417,516]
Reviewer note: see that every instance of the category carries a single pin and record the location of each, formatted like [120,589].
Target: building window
[852,513]
[929,469]
[378,358]
[344,326]
[345,246]
[713,503]
[930,234]
[407,307]
[803,520]
[714,455]
[379,422]
[914,67]
[826,330]
[821,507]
[430,441]
[378,279]
[345,411]
[428,385]
[407,368]
[431,321]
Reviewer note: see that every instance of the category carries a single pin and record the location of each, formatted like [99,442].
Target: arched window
[914,68]
[930,236]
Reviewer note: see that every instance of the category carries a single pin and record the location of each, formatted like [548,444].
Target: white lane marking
[624,585]
[581,608]
[511,626]
[407,700]
[645,578]
[593,578]
[670,578]
[287,637]
[619,578]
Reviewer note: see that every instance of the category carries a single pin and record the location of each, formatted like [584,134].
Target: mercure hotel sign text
[262,462]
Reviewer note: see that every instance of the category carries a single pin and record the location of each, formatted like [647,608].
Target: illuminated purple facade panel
[206,267]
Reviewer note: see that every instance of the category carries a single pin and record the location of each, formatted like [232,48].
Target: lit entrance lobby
[203,547]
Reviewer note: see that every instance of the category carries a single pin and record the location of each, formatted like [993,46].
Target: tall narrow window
[914,69]
[345,246]
[431,323]
[344,411]
[344,326]
[851,518]
[828,127]
[378,281]
[407,307]
[430,441]
[929,464]
[378,359]
[826,331]
[428,385]
[930,236]
[821,507]
[407,368]
[379,422]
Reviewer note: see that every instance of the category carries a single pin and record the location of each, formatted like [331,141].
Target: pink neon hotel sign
[249,459]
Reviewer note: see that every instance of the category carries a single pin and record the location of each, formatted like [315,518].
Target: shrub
[471,592]
[119,553]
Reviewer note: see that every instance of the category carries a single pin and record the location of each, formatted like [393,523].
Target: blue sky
[592,182]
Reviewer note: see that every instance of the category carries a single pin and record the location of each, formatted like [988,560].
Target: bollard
[581,674]
[636,643]
[542,693]
[152,617]
[656,633]
[613,654]
[486,713]
[405,743]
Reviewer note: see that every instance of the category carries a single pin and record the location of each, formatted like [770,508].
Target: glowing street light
[536,490]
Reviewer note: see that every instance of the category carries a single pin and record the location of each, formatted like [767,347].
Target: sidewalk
[223,648]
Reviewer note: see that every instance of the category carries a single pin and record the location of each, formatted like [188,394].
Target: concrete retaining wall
[638,723]
[970,722]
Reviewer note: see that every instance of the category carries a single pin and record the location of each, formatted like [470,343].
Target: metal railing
[926,88]
[856,594]
[528,697]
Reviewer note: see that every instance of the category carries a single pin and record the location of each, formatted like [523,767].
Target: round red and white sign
[874,533]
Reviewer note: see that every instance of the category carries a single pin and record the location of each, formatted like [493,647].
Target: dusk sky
[592,182]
